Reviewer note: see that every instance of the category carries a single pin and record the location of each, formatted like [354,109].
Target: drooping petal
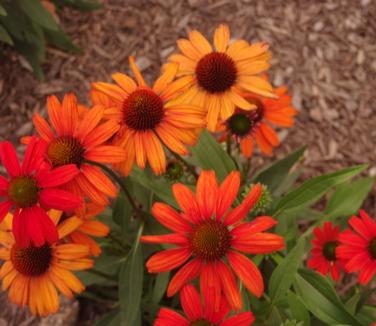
[247,272]
[185,274]
[99,180]
[191,302]
[229,286]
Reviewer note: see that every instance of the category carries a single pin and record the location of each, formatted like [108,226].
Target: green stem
[228,144]
[121,184]
[189,167]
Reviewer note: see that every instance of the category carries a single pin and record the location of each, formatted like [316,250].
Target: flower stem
[121,184]
[189,167]
[228,144]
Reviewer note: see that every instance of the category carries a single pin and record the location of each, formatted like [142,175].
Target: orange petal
[125,82]
[263,143]
[99,180]
[247,272]
[167,260]
[200,42]
[269,134]
[207,193]
[89,122]
[105,154]
[166,78]
[259,224]
[236,47]
[221,38]
[214,110]
[95,228]
[187,201]
[169,139]
[90,191]
[101,134]
[170,218]
[227,194]
[246,146]
[191,302]
[154,152]
[258,243]
[136,72]
[140,150]
[69,114]
[43,128]
[188,49]
[55,114]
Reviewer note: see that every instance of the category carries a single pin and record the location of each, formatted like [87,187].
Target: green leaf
[35,10]
[160,287]
[121,213]
[284,275]
[161,188]
[312,190]
[3,12]
[131,284]
[298,310]
[320,298]
[78,4]
[352,303]
[61,40]
[275,174]
[110,319]
[209,155]
[4,36]
[348,198]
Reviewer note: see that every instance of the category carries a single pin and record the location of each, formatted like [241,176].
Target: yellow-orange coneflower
[221,73]
[148,117]
[34,275]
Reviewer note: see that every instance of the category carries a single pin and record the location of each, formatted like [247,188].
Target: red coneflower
[208,232]
[201,314]
[78,136]
[324,258]
[358,247]
[32,188]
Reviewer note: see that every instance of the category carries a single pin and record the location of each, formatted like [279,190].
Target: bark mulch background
[324,51]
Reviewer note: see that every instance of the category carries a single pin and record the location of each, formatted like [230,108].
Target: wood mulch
[325,52]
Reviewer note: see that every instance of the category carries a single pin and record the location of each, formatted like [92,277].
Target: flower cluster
[51,202]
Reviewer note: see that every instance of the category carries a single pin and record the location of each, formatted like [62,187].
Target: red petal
[34,155]
[48,227]
[259,224]
[59,199]
[259,243]
[242,210]
[19,228]
[207,193]
[4,209]
[170,218]
[187,202]
[167,260]
[210,286]
[9,158]
[43,128]
[242,319]
[59,176]
[359,226]
[185,274]
[216,317]
[227,194]
[191,302]
[229,286]
[168,317]
[4,183]
[174,238]
[247,272]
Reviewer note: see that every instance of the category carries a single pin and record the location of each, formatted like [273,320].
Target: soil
[324,51]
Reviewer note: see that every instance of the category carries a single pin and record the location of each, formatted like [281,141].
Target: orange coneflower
[207,232]
[148,117]
[324,258]
[201,312]
[80,137]
[358,248]
[88,228]
[248,127]
[34,274]
[220,75]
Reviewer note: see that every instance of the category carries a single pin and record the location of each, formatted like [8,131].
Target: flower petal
[227,194]
[242,319]
[207,193]
[229,286]
[9,159]
[59,199]
[187,201]
[59,176]
[191,302]
[258,243]
[170,218]
[167,260]
[247,272]
[168,317]
[221,38]
[105,154]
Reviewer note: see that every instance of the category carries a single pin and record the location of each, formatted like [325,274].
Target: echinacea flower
[221,74]
[358,247]
[30,189]
[250,127]
[33,275]
[200,313]
[324,258]
[148,118]
[88,227]
[79,137]
[207,232]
